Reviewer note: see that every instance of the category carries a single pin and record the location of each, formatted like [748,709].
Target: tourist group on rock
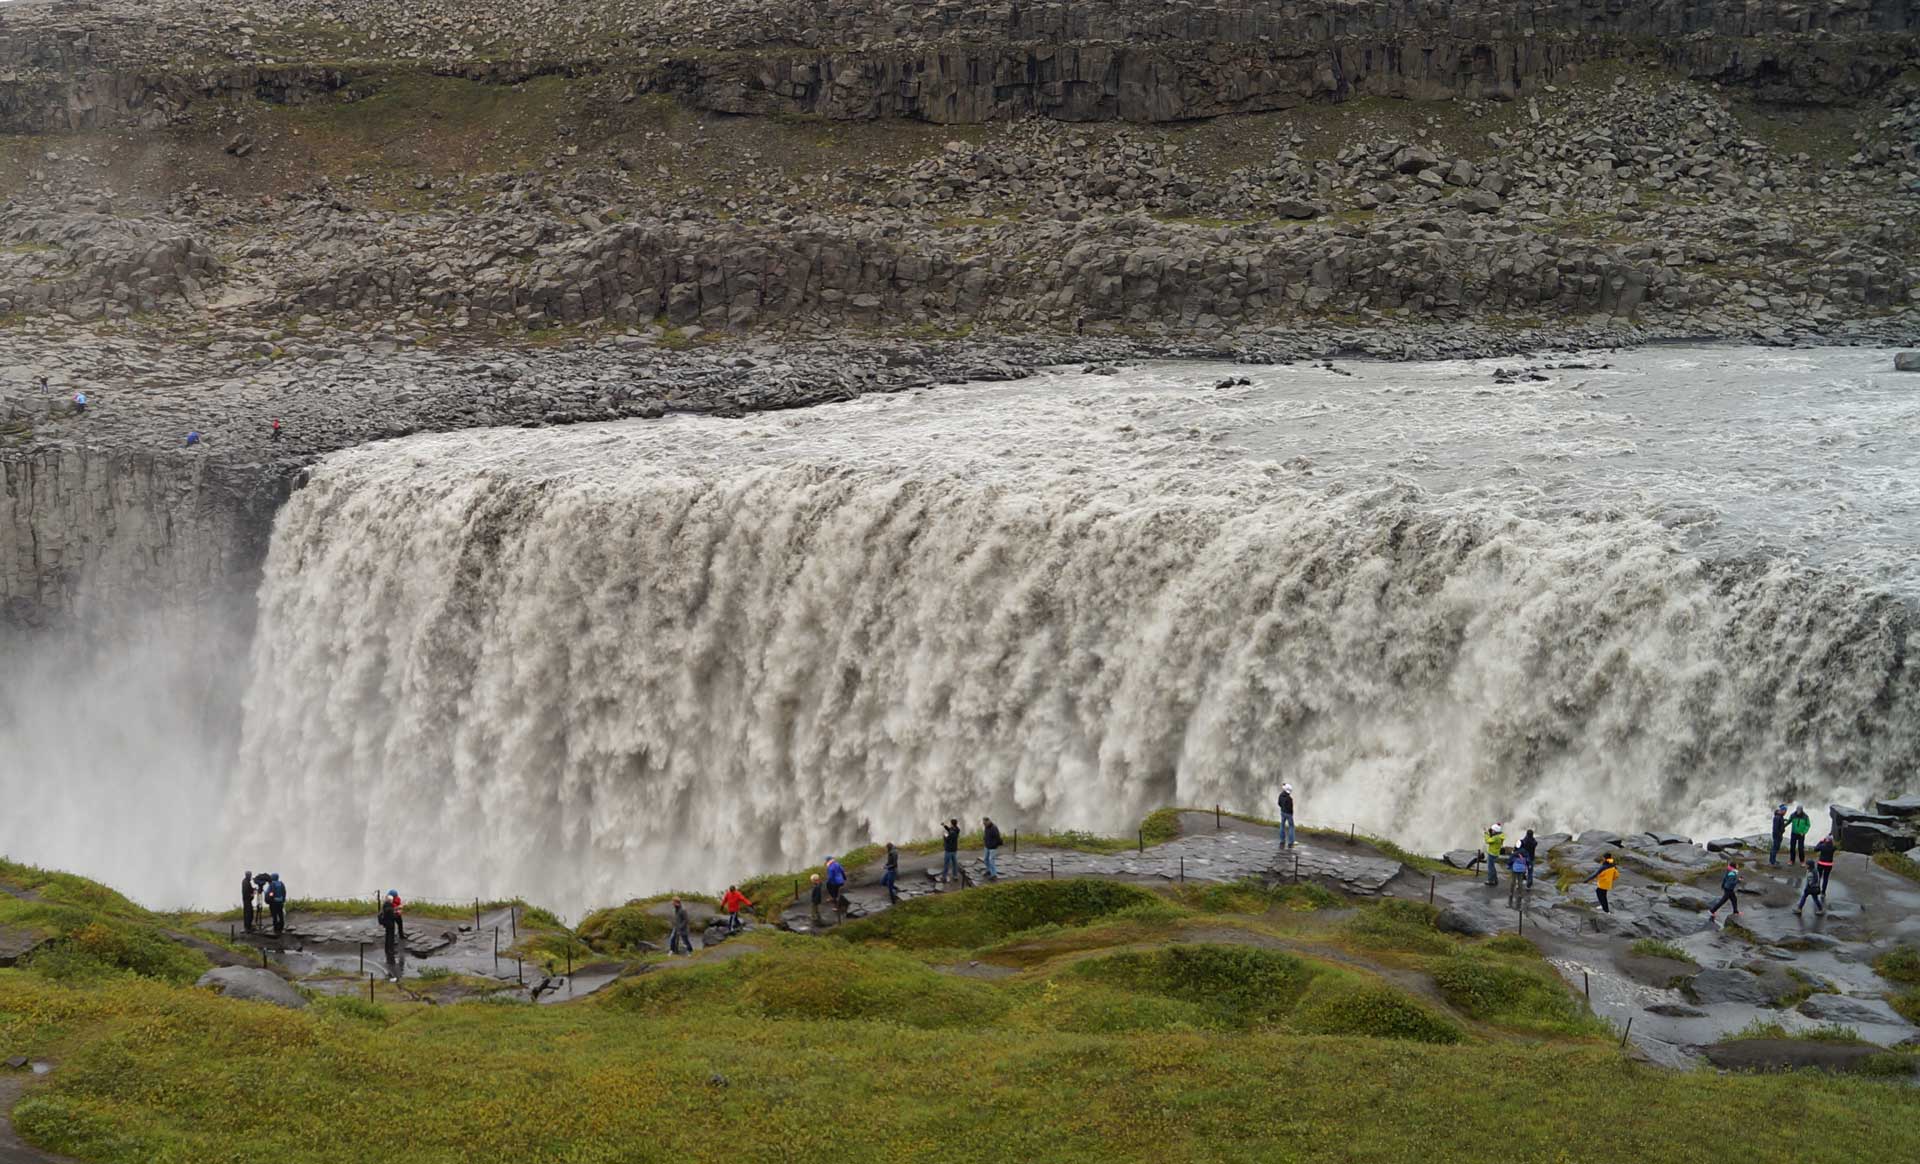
[1521,860]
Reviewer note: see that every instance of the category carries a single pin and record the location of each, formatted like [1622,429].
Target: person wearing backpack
[837,885]
[1530,847]
[1811,887]
[1522,878]
[1824,857]
[991,838]
[1798,824]
[392,924]
[1729,892]
[277,903]
[1286,816]
[1603,879]
[1779,832]
[950,851]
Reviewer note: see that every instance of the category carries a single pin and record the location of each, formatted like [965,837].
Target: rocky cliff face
[97,538]
[79,65]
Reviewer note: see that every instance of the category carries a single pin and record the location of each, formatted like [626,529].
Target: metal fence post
[1431,879]
[1143,839]
[363,957]
[1216,817]
[1183,870]
[1016,842]
[1625,1033]
[369,988]
[513,919]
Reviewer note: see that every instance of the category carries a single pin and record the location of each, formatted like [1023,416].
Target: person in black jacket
[1530,847]
[892,875]
[950,851]
[1286,816]
[247,891]
[991,838]
[393,924]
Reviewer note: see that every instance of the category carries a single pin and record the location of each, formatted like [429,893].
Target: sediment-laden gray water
[1658,588]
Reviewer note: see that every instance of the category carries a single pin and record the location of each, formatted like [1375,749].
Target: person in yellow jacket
[1603,879]
[1496,841]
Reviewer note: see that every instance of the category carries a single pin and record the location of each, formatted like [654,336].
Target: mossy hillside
[976,918]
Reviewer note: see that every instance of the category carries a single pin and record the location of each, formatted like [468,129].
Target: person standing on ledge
[247,891]
[990,836]
[277,904]
[733,903]
[392,924]
[1603,879]
[1824,852]
[1779,832]
[892,875]
[1729,892]
[1496,840]
[1531,848]
[80,403]
[950,851]
[1799,824]
[1522,877]
[1286,816]
[276,429]
[817,894]
[679,939]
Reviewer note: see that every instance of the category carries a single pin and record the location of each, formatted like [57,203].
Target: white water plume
[583,663]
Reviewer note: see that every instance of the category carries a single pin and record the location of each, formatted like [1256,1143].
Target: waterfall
[584,663]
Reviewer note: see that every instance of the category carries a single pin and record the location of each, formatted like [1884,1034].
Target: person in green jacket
[1798,824]
[1496,840]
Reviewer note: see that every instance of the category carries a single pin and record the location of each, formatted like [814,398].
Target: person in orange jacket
[1603,879]
[733,903]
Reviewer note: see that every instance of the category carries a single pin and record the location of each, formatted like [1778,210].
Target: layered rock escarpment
[78,65]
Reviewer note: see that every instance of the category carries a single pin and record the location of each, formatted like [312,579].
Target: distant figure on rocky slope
[892,875]
[277,903]
[80,403]
[1729,892]
[1530,847]
[1813,888]
[1286,816]
[733,903]
[247,891]
[1824,851]
[1779,832]
[276,429]
[679,938]
[990,837]
[393,923]
[1799,824]
[1496,841]
[1603,879]
[193,436]
[950,851]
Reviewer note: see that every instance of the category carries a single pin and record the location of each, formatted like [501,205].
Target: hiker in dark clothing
[1529,847]
[277,903]
[276,429]
[950,851]
[991,838]
[1824,857]
[1811,888]
[1729,892]
[1798,824]
[247,891]
[818,893]
[679,939]
[1779,833]
[392,922]
[1286,816]
[892,875]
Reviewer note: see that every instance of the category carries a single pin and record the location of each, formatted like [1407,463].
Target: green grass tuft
[1338,1005]
[1899,863]
[1652,948]
[1240,985]
[1900,964]
[979,917]
[1399,925]
[1512,995]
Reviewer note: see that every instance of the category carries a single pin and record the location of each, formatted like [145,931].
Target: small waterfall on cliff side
[583,663]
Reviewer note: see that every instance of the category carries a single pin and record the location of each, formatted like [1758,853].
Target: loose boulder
[252,984]
[1907,362]
[1727,985]
[1860,831]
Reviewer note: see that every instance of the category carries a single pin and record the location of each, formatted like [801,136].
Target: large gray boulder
[1860,831]
[252,984]
[1907,362]
[1836,1008]
[1727,985]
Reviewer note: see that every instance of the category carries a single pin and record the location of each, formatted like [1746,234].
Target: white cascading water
[579,664]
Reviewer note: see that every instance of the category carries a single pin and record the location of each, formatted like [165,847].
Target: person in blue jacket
[1522,877]
[277,903]
[1729,892]
[836,885]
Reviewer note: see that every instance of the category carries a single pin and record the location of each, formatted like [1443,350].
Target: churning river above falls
[1646,589]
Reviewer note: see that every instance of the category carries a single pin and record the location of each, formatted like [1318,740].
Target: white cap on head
[1286,788]
[1497,828]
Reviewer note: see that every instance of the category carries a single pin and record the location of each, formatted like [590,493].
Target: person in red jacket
[733,903]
